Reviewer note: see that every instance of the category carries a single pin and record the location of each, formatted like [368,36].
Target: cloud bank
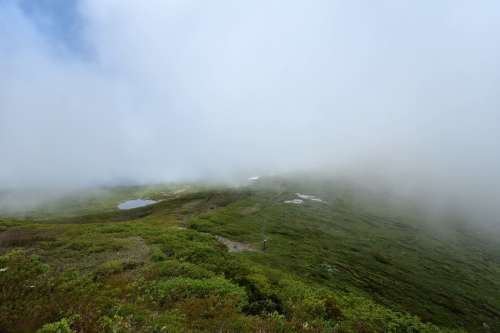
[170,90]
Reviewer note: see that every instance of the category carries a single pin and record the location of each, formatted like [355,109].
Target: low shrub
[174,268]
[61,326]
[166,292]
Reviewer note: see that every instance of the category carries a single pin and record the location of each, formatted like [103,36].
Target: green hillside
[196,262]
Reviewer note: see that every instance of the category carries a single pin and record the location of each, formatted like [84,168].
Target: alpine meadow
[321,166]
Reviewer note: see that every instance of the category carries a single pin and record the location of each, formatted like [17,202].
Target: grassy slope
[141,271]
[449,278]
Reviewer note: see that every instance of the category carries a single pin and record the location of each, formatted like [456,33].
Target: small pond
[136,203]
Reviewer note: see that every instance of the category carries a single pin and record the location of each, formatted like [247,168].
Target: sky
[112,91]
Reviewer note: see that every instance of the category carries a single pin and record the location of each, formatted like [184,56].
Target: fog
[99,92]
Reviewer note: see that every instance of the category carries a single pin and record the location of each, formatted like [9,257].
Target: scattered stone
[180,228]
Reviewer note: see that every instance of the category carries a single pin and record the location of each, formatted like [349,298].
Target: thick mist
[405,93]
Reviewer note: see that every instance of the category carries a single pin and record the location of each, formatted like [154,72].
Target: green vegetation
[345,265]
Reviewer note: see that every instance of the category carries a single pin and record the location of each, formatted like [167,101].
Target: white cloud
[182,89]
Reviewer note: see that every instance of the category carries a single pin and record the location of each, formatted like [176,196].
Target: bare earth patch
[249,210]
[234,246]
